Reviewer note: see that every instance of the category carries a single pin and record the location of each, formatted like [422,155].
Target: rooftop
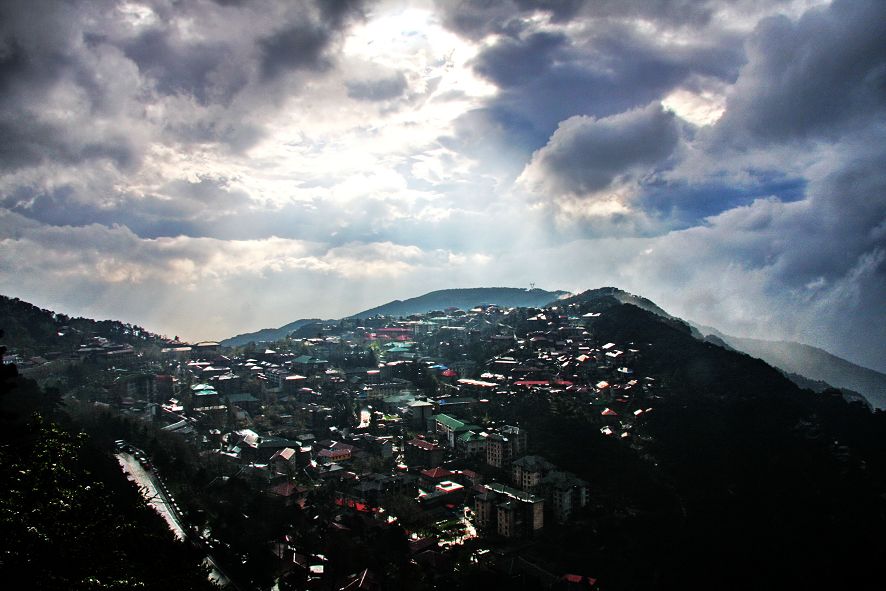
[449,422]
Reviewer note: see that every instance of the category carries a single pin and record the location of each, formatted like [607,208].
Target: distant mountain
[820,386]
[609,295]
[812,363]
[268,334]
[464,299]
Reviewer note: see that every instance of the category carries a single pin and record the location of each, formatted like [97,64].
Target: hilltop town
[572,446]
[395,422]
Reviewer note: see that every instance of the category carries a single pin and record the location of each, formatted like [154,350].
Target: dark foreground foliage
[70,520]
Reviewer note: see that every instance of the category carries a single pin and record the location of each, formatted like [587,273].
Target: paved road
[151,489]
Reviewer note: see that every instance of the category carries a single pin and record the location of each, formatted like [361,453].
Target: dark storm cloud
[546,77]
[300,46]
[304,43]
[38,51]
[184,68]
[514,62]
[814,76]
[28,141]
[338,13]
[586,155]
[180,208]
[13,62]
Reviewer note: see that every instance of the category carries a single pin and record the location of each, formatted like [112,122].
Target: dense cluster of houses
[387,408]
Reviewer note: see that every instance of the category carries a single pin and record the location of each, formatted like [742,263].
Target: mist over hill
[815,364]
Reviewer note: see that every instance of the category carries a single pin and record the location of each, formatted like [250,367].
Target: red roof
[531,383]
[449,373]
[352,504]
[580,580]
[609,413]
[436,473]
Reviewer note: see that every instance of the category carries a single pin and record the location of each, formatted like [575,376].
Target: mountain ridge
[821,368]
[267,334]
[464,298]
[618,295]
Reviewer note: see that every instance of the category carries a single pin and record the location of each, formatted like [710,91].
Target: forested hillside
[35,331]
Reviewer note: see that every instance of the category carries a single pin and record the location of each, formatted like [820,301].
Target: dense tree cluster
[70,520]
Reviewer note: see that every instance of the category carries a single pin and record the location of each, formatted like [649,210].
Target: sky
[206,168]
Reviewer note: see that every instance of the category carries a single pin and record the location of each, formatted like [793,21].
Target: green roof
[450,422]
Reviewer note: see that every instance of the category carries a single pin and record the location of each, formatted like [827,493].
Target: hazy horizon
[211,168]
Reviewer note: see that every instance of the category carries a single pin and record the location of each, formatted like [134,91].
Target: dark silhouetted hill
[751,481]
